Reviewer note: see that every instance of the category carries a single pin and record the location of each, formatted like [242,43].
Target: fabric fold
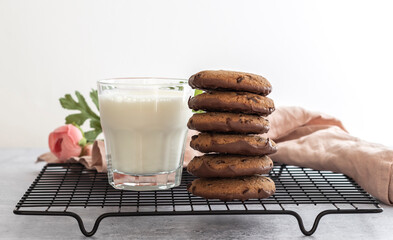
[318,141]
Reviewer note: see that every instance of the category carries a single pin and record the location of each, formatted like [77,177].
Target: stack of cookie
[236,154]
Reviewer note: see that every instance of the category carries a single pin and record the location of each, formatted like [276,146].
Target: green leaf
[197,92]
[77,118]
[96,124]
[94,98]
[91,135]
[199,111]
[85,113]
[84,106]
[68,102]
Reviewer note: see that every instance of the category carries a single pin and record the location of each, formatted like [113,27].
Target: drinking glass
[144,121]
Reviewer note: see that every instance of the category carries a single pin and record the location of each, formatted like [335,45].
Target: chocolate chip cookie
[222,165]
[228,123]
[230,81]
[235,102]
[227,189]
[250,145]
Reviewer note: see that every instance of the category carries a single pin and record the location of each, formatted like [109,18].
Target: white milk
[144,130]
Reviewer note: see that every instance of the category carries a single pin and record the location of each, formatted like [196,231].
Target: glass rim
[130,81]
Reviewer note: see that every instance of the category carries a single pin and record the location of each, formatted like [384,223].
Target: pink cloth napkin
[315,140]
[308,139]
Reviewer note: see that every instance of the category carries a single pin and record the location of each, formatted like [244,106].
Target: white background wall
[331,56]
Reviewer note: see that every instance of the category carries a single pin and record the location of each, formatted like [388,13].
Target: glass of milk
[144,121]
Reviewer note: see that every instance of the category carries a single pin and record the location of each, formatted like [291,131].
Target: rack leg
[96,224]
[326,212]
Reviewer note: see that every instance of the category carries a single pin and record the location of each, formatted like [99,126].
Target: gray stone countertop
[19,170]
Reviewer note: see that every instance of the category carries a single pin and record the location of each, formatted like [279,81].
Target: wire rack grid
[65,186]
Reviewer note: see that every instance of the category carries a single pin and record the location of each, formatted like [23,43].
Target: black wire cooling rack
[70,186]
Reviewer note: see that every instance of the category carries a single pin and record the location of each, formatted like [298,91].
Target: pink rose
[64,142]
